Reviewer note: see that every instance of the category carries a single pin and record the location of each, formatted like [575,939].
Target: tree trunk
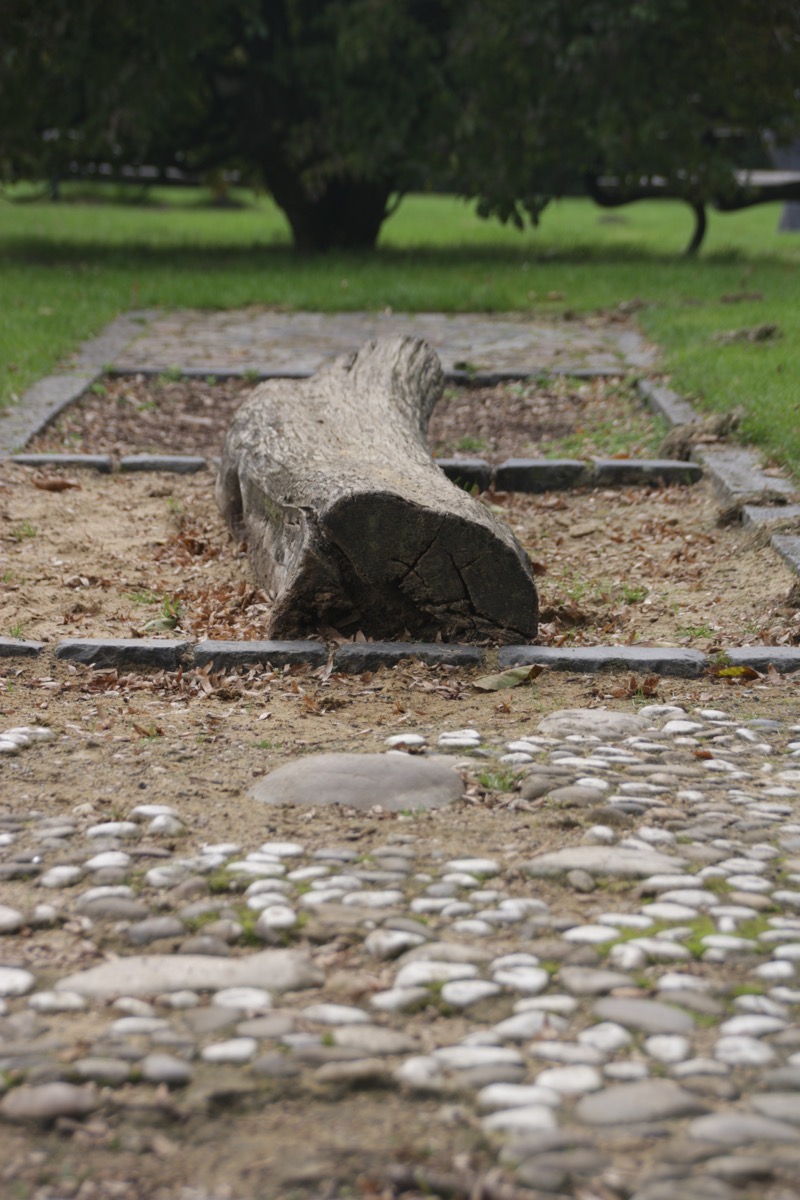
[347,215]
[348,520]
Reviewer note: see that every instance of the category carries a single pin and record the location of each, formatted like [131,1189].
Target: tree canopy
[337,106]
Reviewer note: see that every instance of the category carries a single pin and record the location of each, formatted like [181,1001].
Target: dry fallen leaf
[508,679]
[54,484]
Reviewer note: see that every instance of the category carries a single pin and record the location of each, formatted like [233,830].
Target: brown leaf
[54,484]
[508,679]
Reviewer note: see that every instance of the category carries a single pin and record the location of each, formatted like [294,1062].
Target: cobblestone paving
[258,339]
[619,1016]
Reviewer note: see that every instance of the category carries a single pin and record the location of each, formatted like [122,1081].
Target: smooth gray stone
[466,472]
[653,471]
[577,796]
[205,944]
[356,657]
[165,1068]
[602,861]
[394,781]
[648,1016]
[165,653]
[90,462]
[18,648]
[110,1071]
[204,1021]
[737,474]
[737,1129]
[782,1079]
[762,514]
[588,981]
[374,1040]
[176,464]
[782,1106]
[784,658]
[278,654]
[145,975]
[687,664]
[788,546]
[114,909]
[648,1100]
[539,474]
[697,1187]
[43,1103]
[597,722]
[153,929]
[667,403]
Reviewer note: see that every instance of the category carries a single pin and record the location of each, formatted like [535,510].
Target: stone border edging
[353,658]
[528,475]
[736,474]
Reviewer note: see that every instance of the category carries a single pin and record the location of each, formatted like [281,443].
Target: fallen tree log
[349,522]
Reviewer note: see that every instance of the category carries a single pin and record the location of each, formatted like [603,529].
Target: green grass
[68,268]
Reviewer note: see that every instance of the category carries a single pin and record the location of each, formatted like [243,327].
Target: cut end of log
[350,523]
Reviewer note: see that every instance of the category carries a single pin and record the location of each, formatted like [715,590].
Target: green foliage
[337,106]
[23,531]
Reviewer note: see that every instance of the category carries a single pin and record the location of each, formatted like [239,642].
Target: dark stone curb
[17,648]
[356,657]
[124,652]
[86,462]
[784,658]
[47,397]
[244,654]
[735,472]
[589,659]
[531,475]
[178,464]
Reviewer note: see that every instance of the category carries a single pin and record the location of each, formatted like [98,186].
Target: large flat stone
[241,654]
[648,1100]
[647,1016]
[162,653]
[356,657]
[602,861]
[150,974]
[394,781]
[597,722]
[654,660]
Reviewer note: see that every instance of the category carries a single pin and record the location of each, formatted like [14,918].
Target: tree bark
[346,215]
[348,520]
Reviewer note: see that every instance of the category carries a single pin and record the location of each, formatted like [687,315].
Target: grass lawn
[68,268]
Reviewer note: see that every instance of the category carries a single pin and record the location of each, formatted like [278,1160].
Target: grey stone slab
[788,546]
[738,1128]
[651,471]
[666,403]
[151,974]
[763,514]
[784,658]
[600,722]
[75,462]
[649,1100]
[602,861]
[472,345]
[17,648]
[394,781]
[647,1016]
[540,474]
[243,654]
[467,472]
[736,474]
[175,464]
[163,653]
[39,405]
[355,657]
[655,660]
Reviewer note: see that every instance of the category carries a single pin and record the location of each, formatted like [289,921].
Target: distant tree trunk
[346,215]
[348,520]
